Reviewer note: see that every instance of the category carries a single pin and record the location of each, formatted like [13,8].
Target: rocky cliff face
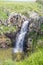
[16,19]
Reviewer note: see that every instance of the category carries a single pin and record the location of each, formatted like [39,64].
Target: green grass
[5,54]
[4,29]
[34,59]
[18,7]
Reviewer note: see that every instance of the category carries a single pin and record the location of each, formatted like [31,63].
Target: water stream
[20,38]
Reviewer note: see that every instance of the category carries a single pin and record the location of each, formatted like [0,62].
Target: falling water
[21,37]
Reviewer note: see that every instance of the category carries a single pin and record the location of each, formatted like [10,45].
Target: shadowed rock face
[12,36]
[16,19]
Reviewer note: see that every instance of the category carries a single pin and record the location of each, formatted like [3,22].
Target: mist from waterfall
[20,38]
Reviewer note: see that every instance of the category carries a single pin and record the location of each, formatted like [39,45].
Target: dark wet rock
[12,37]
[11,34]
[0,22]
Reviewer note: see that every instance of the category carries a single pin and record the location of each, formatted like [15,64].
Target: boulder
[16,19]
[36,21]
[34,15]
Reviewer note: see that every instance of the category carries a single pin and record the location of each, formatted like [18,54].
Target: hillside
[7,7]
[21,22]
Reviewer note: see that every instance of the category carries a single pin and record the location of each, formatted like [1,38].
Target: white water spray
[20,37]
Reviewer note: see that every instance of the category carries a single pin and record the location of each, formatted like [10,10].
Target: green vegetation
[4,29]
[41,27]
[7,7]
[5,54]
[34,59]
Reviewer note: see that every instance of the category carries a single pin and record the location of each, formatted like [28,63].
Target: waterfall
[20,38]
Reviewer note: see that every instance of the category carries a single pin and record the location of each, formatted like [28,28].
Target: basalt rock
[36,22]
[16,19]
[12,37]
[0,22]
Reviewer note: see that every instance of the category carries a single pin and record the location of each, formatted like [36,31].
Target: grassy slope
[18,7]
[21,7]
